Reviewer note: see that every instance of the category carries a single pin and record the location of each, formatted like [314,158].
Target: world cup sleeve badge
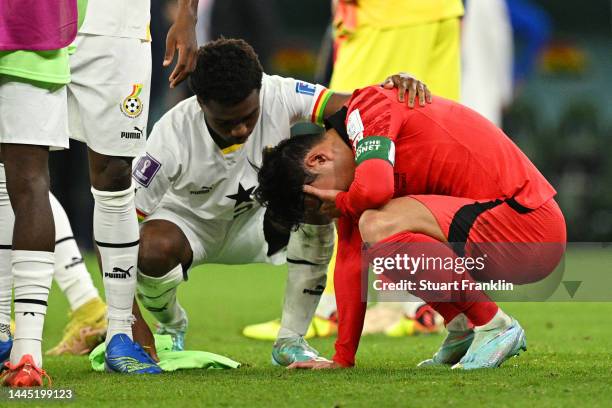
[131,106]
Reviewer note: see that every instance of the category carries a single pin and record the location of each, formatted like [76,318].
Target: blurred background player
[490,71]
[487,50]
[372,40]
[34,72]
[87,325]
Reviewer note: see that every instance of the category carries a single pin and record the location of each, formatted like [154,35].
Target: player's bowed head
[227,80]
[305,173]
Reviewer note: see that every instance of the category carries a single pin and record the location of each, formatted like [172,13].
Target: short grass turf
[568,362]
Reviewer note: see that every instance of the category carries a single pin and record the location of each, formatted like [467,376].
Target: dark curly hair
[282,177]
[227,71]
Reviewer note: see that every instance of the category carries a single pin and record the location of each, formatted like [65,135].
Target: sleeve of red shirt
[373,185]
[347,284]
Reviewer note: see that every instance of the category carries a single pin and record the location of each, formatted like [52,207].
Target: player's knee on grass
[162,246]
[110,173]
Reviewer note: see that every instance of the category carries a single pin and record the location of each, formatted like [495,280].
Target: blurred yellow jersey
[393,13]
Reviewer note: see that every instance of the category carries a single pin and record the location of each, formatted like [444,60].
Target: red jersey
[443,148]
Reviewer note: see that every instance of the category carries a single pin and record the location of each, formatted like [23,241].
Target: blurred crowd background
[558,110]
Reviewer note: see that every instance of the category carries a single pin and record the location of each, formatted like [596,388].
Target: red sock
[446,309]
[479,313]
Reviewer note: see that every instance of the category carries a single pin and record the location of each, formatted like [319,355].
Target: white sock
[308,254]
[6,283]
[71,275]
[158,296]
[500,319]
[33,273]
[117,236]
[7,220]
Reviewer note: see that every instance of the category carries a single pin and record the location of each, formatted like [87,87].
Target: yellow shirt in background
[393,13]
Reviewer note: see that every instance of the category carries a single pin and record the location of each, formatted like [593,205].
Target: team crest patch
[132,105]
[146,168]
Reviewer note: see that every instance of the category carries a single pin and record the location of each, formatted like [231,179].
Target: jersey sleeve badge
[146,169]
[305,88]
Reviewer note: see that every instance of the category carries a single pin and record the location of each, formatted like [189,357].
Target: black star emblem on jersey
[242,196]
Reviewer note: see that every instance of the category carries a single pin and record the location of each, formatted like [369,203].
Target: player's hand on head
[407,83]
[316,364]
[181,39]
[327,198]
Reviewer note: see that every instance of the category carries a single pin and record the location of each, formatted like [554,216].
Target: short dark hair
[282,177]
[227,71]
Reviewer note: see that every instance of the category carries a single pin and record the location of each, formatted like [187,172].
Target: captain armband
[375,147]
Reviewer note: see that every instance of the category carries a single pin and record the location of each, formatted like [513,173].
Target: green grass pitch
[568,362]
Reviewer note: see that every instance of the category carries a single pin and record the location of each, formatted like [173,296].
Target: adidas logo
[119,273]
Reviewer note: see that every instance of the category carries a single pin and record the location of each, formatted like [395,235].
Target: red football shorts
[521,245]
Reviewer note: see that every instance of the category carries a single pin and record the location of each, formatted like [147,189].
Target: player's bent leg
[308,253]
[87,326]
[165,254]
[496,336]
[404,214]
[324,322]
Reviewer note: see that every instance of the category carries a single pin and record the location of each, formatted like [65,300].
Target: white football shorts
[237,242]
[33,115]
[108,97]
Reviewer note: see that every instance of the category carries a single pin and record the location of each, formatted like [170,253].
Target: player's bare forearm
[182,38]
[335,103]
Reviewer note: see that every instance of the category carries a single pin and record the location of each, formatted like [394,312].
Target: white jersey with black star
[185,170]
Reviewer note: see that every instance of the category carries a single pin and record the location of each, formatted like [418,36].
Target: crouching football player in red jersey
[439,178]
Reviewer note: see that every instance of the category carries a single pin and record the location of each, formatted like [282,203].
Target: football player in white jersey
[195,189]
